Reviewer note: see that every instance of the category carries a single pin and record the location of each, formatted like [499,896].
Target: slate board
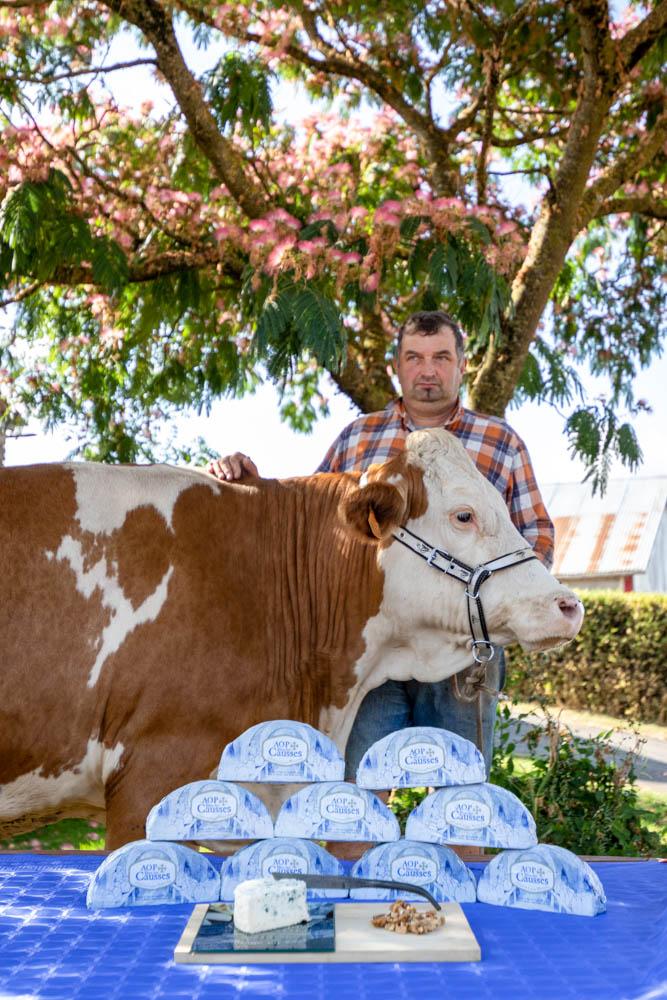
[356,940]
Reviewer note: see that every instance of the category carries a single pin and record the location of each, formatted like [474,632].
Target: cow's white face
[422,630]
[467,517]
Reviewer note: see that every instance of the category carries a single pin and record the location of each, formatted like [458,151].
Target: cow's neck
[328,586]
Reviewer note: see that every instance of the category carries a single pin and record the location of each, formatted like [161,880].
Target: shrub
[617,665]
[579,796]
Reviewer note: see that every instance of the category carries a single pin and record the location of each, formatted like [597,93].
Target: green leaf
[239,91]
[319,324]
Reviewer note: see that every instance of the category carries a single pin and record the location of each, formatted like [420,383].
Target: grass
[68,834]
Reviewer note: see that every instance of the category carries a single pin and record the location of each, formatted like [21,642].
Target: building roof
[610,535]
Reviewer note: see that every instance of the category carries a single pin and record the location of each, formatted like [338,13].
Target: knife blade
[351,882]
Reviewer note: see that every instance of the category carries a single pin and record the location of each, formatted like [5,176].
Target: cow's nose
[569,606]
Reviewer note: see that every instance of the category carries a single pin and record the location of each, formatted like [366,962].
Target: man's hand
[231,467]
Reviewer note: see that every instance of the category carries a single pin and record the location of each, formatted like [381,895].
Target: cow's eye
[464,516]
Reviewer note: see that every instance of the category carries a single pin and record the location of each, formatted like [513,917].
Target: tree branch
[492,67]
[624,168]
[25,293]
[636,205]
[140,272]
[639,40]
[156,25]
[90,70]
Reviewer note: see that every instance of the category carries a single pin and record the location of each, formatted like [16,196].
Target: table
[52,947]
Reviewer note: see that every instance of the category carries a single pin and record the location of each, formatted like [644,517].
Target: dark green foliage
[240,93]
[39,233]
[596,436]
[298,319]
[617,665]
[455,276]
[579,796]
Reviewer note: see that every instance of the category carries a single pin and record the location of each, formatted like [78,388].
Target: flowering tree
[152,259]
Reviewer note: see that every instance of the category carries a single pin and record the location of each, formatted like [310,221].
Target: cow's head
[435,489]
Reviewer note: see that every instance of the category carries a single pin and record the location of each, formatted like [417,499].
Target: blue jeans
[397,704]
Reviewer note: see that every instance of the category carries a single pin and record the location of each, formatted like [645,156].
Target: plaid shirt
[496,450]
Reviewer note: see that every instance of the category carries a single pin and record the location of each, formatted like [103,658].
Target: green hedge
[616,666]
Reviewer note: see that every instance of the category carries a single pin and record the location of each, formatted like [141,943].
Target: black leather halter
[472,576]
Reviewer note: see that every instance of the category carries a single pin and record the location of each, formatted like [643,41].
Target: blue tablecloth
[52,946]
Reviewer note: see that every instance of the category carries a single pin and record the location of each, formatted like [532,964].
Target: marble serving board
[356,940]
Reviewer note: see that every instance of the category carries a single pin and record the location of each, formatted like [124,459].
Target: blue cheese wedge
[289,855]
[144,873]
[209,810]
[544,877]
[432,867]
[336,811]
[281,751]
[484,815]
[262,904]
[421,756]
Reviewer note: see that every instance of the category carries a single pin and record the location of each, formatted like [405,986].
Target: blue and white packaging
[209,810]
[281,751]
[282,854]
[145,873]
[542,878]
[437,869]
[336,811]
[419,756]
[484,815]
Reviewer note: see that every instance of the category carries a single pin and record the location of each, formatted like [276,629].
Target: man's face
[429,370]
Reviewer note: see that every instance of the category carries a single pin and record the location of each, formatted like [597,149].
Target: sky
[252,424]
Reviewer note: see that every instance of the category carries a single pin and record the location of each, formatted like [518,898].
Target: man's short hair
[429,323]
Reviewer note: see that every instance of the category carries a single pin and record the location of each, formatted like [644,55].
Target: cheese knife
[350,882]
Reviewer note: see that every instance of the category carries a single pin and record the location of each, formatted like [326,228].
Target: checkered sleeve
[527,508]
[332,461]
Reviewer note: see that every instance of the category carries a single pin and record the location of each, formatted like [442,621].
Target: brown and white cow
[148,615]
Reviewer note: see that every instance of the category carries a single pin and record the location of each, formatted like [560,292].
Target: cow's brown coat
[266,605]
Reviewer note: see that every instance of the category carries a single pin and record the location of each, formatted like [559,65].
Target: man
[430,364]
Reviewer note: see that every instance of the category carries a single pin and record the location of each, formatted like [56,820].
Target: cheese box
[435,868]
[209,810]
[336,811]
[421,756]
[147,873]
[282,854]
[281,751]
[542,878]
[484,815]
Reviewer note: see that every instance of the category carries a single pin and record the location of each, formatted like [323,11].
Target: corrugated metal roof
[610,535]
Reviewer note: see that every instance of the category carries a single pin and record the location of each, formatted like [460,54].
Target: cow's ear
[374,510]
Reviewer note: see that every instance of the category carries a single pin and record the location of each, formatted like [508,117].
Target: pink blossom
[308,246]
[387,219]
[280,215]
[506,227]
[276,256]
[390,206]
[440,203]
[371,283]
